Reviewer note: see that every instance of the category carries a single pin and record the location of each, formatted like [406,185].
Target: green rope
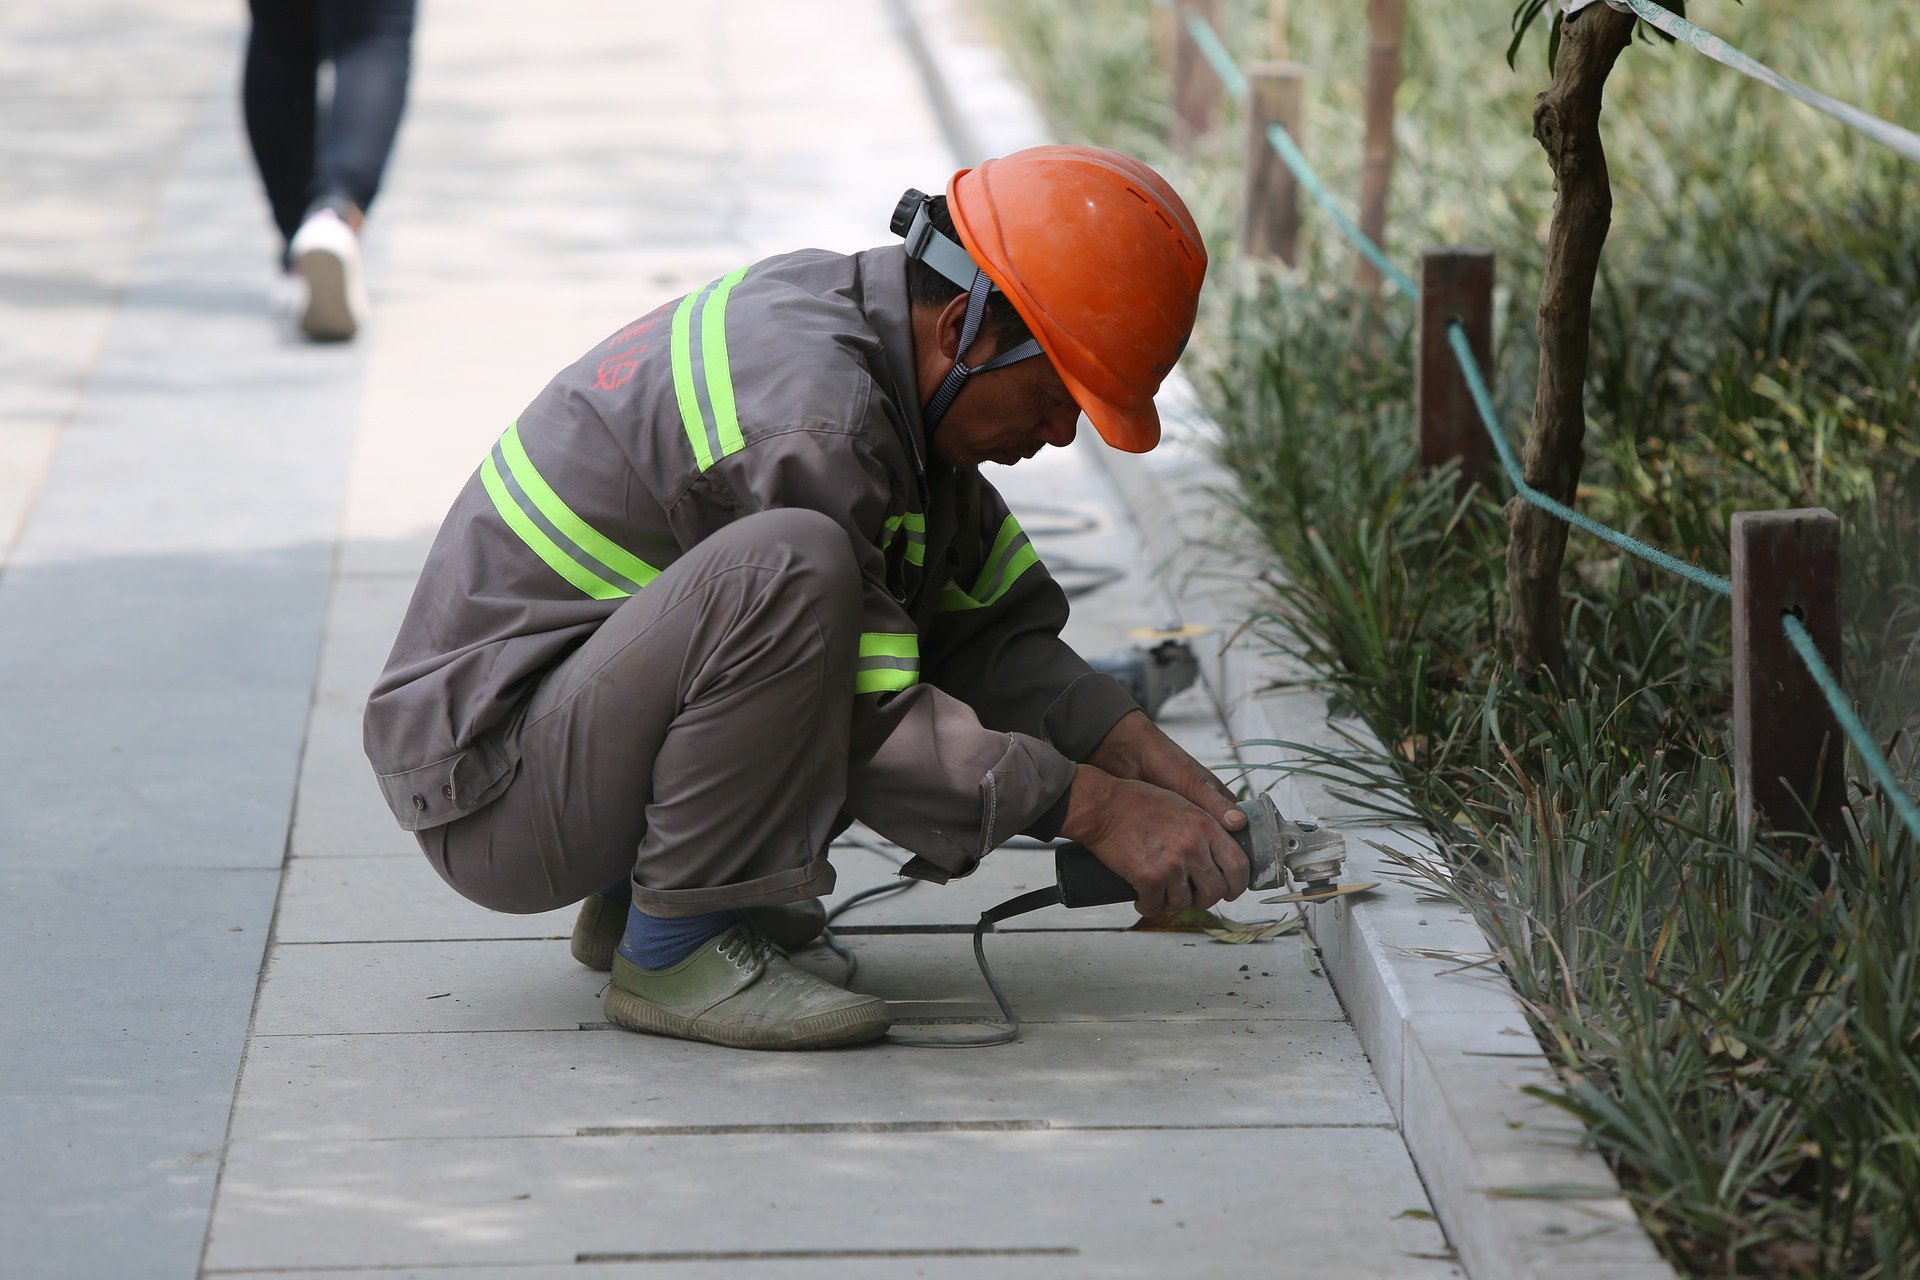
[1477,385]
[1876,763]
[1284,147]
[1210,46]
[1902,142]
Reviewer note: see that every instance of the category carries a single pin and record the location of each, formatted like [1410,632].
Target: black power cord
[1019,905]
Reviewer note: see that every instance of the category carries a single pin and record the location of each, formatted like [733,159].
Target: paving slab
[172,777]
[340,812]
[80,115]
[517,985]
[1268,1072]
[1087,976]
[1126,1203]
[116,1075]
[399,899]
[847,1264]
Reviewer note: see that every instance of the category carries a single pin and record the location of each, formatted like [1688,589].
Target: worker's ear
[953,319]
[952,322]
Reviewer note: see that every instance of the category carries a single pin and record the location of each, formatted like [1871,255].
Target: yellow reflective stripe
[889,661]
[997,575]
[1009,530]
[536,538]
[713,350]
[915,523]
[884,680]
[889,644]
[952,600]
[683,388]
[1023,559]
[591,540]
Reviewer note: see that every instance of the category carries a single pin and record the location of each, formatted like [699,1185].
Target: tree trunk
[1566,121]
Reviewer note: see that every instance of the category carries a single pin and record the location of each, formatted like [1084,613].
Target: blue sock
[660,942]
[621,892]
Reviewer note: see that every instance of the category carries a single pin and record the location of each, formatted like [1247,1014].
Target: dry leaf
[1218,927]
[1253,930]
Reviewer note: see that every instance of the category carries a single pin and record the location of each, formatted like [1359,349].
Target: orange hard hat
[1102,260]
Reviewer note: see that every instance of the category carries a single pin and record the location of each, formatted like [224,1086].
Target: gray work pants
[696,742]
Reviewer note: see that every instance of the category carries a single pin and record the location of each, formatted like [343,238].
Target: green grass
[1755,1081]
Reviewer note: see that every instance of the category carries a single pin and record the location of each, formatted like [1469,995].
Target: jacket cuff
[1083,713]
[1027,781]
[1047,825]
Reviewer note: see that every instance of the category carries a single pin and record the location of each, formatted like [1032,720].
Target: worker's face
[1005,415]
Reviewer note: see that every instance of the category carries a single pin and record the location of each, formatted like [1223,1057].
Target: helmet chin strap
[927,243]
[956,379]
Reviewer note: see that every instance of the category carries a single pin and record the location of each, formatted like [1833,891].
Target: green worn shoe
[740,991]
[601,924]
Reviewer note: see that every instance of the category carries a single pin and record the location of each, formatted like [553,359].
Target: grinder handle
[1085,881]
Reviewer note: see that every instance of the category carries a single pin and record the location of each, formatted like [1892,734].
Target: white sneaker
[326,253]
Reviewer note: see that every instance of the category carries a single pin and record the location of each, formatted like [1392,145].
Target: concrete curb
[1450,1046]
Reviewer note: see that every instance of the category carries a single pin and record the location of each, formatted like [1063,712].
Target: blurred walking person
[321,162]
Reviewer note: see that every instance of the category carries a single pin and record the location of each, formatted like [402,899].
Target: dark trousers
[307,157]
[697,742]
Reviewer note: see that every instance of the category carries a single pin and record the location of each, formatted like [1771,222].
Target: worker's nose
[1059,427]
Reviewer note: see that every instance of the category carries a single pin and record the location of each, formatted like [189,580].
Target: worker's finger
[1233,864]
[1208,792]
[1177,895]
[1209,885]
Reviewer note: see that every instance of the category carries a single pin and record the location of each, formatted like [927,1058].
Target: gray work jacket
[789,383]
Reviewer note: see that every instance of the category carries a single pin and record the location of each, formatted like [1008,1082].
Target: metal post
[1196,90]
[1270,212]
[1456,283]
[1788,752]
[1383,78]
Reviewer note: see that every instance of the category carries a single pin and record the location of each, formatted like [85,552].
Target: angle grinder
[1277,849]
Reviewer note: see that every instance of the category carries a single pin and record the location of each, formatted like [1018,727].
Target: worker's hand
[1171,851]
[1138,748]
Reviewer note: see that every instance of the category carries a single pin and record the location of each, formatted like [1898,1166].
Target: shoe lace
[745,949]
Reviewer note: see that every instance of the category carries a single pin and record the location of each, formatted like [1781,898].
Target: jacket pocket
[450,788]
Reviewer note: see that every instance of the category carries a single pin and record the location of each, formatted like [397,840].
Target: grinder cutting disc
[1322,895]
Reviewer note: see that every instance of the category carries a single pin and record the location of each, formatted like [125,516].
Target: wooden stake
[1456,283]
[1163,20]
[1788,752]
[1196,90]
[1270,212]
[1277,30]
[1384,25]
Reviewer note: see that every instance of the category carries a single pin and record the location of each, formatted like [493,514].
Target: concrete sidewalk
[204,588]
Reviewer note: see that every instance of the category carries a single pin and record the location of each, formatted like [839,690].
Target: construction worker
[734,580]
